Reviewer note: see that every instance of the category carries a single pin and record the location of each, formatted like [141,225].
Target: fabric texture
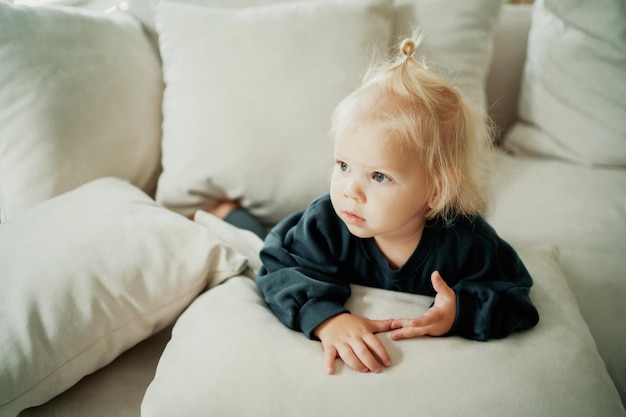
[457,33]
[573,96]
[582,210]
[231,98]
[88,274]
[457,39]
[249,95]
[243,241]
[74,105]
[208,354]
[241,218]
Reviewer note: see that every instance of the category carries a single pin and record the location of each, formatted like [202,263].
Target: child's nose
[354,191]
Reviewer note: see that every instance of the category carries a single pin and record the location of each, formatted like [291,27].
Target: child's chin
[359,231]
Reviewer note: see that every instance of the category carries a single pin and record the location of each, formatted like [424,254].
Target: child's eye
[382,178]
[342,166]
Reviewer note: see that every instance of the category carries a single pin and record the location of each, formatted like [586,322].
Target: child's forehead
[375,98]
[392,132]
[374,142]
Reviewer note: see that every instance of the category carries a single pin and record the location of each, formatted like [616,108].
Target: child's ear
[433,200]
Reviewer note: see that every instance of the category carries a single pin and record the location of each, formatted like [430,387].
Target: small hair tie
[407,47]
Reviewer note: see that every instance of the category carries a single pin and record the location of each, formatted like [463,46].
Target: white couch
[112,126]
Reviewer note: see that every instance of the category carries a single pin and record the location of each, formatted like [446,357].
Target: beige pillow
[249,95]
[246,116]
[573,95]
[80,98]
[252,365]
[457,39]
[88,274]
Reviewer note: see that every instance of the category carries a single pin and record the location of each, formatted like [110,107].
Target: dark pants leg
[241,218]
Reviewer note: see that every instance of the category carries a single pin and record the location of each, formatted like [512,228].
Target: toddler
[404,214]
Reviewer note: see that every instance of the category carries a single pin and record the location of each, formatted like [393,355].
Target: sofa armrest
[505,74]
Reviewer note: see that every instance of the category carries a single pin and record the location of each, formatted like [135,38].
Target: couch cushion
[573,98]
[250,91]
[74,105]
[583,211]
[249,94]
[252,365]
[88,274]
[457,38]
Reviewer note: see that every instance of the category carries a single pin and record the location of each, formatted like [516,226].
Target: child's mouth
[352,218]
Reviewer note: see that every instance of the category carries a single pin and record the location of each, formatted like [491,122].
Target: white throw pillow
[250,90]
[80,98]
[573,97]
[88,274]
[252,365]
[249,94]
[583,211]
[243,241]
[457,39]
[457,33]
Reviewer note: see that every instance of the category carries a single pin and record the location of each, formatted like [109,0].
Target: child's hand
[436,321]
[352,339]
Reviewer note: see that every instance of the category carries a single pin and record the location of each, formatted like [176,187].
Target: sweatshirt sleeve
[299,277]
[493,301]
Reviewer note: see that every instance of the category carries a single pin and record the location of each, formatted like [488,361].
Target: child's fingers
[409,332]
[436,321]
[365,358]
[364,355]
[428,324]
[438,283]
[414,322]
[352,339]
[380,326]
[415,327]
[378,349]
[330,354]
[355,357]
[440,286]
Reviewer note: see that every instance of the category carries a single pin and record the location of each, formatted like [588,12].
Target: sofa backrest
[509,53]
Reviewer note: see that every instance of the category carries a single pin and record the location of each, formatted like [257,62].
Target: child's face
[376,189]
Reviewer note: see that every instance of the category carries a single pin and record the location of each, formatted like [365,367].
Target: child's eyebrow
[382,166]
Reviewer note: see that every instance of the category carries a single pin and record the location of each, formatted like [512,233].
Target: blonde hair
[423,112]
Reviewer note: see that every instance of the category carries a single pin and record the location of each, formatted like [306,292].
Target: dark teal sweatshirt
[310,258]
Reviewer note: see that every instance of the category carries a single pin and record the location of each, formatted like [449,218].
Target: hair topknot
[407,47]
[427,117]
